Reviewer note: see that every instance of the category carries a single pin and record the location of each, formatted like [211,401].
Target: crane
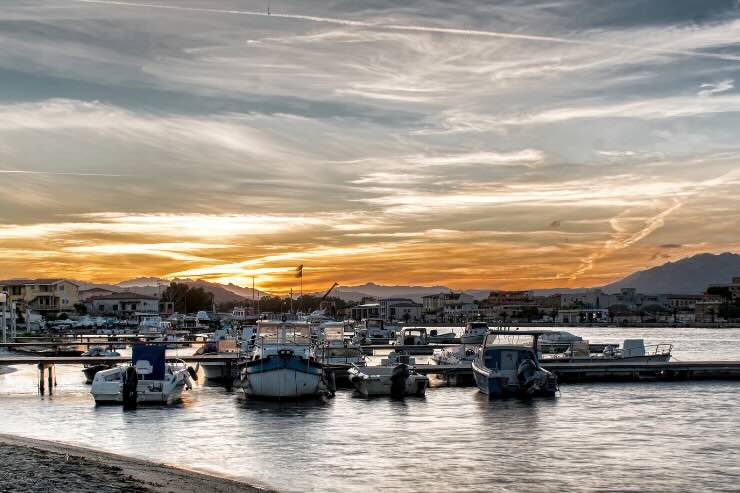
[326,295]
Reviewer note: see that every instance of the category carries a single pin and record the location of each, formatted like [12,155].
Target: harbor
[379,430]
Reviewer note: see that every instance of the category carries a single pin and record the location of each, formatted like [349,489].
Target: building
[449,307]
[683,302]
[399,309]
[708,310]
[365,310]
[732,288]
[583,316]
[123,305]
[45,296]
[593,298]
[86,294]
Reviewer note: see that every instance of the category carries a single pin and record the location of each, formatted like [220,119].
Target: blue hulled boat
[282,365]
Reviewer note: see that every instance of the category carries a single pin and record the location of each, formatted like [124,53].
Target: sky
[509,144]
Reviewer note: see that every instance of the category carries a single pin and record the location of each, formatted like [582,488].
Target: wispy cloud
[709,89]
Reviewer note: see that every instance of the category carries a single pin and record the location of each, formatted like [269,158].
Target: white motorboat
[435,337]
[149,379]
[455,355]
[507,365]
[474,333]
[412,336]
[633,350]
[91,369]
[333,349]
[397,381]
[375,331]
[282,365]
[220,343]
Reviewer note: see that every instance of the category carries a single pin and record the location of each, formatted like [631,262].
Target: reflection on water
[617,436]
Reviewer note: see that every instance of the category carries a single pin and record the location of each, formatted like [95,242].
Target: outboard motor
[526,372]
[130,382]
[399,376]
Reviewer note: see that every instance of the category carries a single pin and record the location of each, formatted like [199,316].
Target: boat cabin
[507,350]
[274,337]
[412,337]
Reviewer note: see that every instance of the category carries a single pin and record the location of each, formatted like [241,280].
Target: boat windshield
[512,339]
[506,359]
[284,334]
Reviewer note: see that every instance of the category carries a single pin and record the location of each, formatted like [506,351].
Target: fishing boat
[474,333]
[397,381]
[282,365]
[507,365]
[220,343]
[92,369]
[149,379]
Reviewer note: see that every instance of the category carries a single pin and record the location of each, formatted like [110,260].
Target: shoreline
[31,464]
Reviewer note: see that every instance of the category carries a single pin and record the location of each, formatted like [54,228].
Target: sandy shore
[40,466]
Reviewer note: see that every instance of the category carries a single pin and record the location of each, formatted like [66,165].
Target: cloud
[711,89]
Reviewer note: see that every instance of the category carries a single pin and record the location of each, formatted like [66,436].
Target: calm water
[682,436]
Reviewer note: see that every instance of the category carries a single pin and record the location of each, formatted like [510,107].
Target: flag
[299,271]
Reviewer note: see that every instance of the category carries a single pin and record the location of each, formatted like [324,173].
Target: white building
[449,307]
[122,305]
[399,309]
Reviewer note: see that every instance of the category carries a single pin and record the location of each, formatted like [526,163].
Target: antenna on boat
[268,8]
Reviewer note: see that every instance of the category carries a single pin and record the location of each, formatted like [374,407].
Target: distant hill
[690,275]
[153,286]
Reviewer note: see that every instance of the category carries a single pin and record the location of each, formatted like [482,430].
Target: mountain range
[690,275]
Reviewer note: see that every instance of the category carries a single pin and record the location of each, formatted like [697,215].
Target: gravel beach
[39,466]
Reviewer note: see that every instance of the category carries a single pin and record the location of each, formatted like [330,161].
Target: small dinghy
[149,379]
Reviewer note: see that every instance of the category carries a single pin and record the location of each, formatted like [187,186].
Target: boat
[333,349]
[414,340]
[282,365]
[449,337]
[459,355]
[633,350]
[397,381]
[220,343]
[148,380]
[91,369]
[474,333]
[555,341]
[507,365]
[375,331]
[455,355]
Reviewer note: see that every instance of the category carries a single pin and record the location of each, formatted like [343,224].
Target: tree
[80,308]
[188,299]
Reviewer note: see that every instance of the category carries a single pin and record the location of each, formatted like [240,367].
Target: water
[679,436]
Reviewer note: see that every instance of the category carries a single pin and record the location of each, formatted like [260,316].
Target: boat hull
[283,378]
[377,381]
[495,386]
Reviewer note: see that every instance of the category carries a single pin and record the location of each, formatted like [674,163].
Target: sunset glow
[501,146]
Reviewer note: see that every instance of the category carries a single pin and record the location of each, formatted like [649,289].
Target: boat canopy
[512,338]
[150,357]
